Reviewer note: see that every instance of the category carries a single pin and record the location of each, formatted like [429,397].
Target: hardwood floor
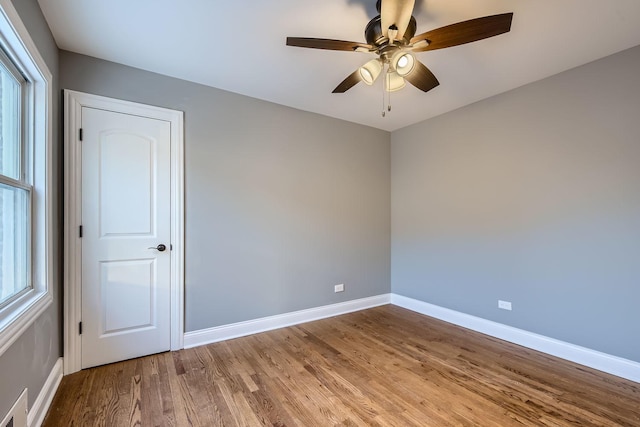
[381,367]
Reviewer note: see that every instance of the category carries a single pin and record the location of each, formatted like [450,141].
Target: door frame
[72,276]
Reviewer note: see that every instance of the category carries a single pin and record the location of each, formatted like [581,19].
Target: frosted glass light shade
[403,62]
[393,82]
[370,71]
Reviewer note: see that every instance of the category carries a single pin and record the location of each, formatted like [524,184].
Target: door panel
[125,216]
[138,216]
[127,294]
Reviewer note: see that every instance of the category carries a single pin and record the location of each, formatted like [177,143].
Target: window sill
[20,315]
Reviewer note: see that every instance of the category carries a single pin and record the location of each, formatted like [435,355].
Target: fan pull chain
[385,84]
[383,112]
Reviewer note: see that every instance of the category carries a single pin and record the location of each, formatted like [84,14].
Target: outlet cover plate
[505,305]
[339,288]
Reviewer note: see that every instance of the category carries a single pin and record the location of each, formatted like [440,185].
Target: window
[15,190]
[25,178]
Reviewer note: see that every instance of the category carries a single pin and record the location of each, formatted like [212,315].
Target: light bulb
[403,62]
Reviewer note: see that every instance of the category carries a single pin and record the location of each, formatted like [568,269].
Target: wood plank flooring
[380,367]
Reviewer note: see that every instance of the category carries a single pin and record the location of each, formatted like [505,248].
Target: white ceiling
[239,46]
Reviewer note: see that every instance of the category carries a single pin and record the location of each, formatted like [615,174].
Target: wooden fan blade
[353,79]
[326,44]
[396,13]
[464,32]
[422,78]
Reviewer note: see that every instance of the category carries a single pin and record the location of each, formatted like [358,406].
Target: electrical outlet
[505,305]
[339,288]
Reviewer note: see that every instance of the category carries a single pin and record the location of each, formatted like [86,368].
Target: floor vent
[17,416]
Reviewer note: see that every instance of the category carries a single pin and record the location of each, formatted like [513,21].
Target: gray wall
[28,362]
[532,196]
[281,205]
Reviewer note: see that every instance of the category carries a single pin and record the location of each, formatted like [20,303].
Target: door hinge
[80,136]
[80,231]
[80,328]
[170,246]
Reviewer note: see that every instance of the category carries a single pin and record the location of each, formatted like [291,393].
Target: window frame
[19,314]
[23,179]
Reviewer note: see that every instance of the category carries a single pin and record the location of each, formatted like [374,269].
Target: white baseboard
[235,330]
[614,365]
[591,358]
[41,405]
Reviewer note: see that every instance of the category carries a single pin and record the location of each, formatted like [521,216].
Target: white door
[126,229]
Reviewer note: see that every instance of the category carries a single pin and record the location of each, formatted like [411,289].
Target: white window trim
[21,313]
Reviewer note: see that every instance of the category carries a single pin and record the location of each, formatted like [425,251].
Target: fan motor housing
[373,32]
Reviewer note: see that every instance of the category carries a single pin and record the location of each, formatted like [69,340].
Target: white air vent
[17,416]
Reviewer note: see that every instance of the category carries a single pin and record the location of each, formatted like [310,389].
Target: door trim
[72,309]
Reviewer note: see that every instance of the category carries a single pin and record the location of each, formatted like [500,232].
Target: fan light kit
[370,71]
[394,82]
[391,36]
[403,63]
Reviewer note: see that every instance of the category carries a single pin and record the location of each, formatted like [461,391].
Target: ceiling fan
[391,36]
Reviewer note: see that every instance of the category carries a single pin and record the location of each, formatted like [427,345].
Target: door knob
[159,248]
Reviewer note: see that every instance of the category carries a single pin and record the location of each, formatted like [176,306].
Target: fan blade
[326,44]
[396,13]
[464,32]
[353,79]
[422,78]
